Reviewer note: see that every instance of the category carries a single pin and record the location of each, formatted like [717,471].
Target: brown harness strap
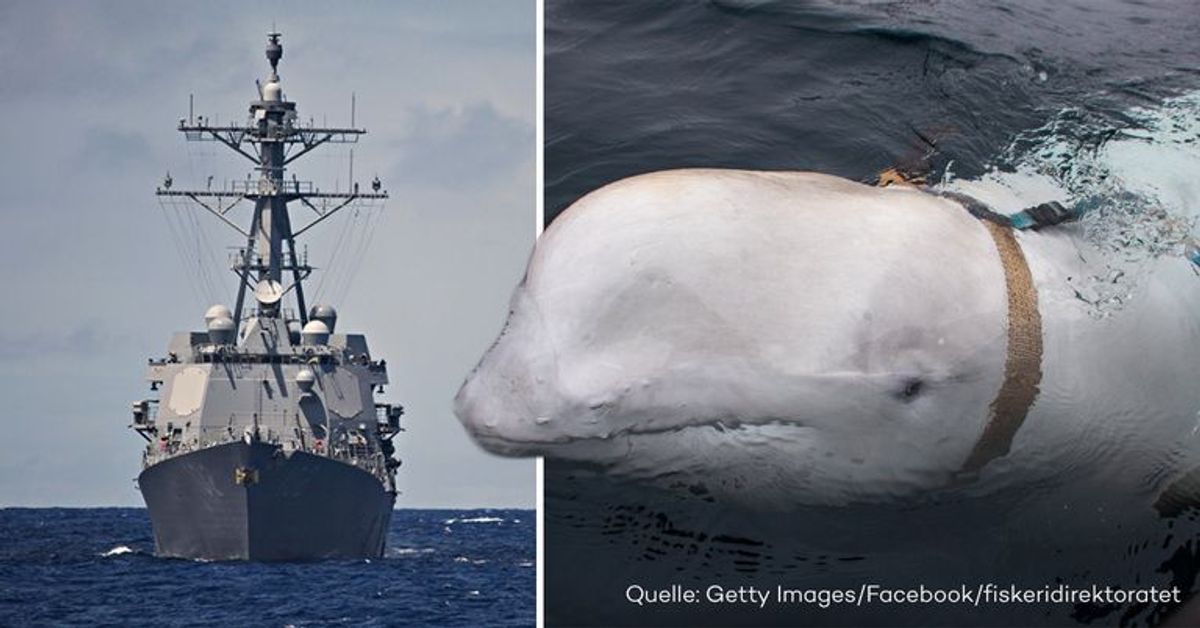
[1023,364]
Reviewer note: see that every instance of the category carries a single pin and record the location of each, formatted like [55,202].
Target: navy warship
[265,441]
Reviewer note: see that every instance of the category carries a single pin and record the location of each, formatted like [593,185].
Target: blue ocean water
[96,566]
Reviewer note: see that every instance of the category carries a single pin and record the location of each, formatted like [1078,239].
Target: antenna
[271,139]
[274,52]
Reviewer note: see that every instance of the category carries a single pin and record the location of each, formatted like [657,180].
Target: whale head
[761,337]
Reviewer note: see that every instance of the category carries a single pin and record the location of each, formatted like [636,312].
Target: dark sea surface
[95,567]
[1096,103]
[846,88]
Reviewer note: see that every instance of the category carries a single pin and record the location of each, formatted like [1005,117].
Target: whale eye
[911,389]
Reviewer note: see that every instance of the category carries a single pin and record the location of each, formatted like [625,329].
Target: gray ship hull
[240,501]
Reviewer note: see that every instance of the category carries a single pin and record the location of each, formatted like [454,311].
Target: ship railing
[266,186]
[159,450]
[286,313]
[351,452]
[321,355]
[363,455]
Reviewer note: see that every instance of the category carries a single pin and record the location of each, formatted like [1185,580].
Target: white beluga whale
[791,377]
[774,339]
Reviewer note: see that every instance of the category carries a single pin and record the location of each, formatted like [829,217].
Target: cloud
[113,149]
[447,146]
[90,338]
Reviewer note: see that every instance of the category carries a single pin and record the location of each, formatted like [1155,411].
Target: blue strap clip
[1044,215]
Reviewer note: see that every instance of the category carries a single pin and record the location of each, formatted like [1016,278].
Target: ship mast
[271,139]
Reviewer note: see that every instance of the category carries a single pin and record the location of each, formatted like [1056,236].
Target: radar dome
[305,380]
[314,333]
[221,330]
[324,313]
[272,91]
[216,311]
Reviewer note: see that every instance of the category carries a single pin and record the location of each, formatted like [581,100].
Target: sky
[92,275]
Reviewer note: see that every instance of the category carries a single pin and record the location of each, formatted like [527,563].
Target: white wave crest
[452,521]
[410,551]
[118,551]
[1138,187]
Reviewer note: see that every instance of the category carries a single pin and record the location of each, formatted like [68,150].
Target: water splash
[118,551]
[409,551]
[1136,184]
[476,520]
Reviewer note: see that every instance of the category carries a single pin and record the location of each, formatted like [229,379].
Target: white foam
[1010,192]
[474,520]
[1165,165]
[411,551]
[1139,188]
[1157,160]
[118,551]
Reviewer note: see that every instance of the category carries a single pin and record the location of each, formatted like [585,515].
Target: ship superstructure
[266,441]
